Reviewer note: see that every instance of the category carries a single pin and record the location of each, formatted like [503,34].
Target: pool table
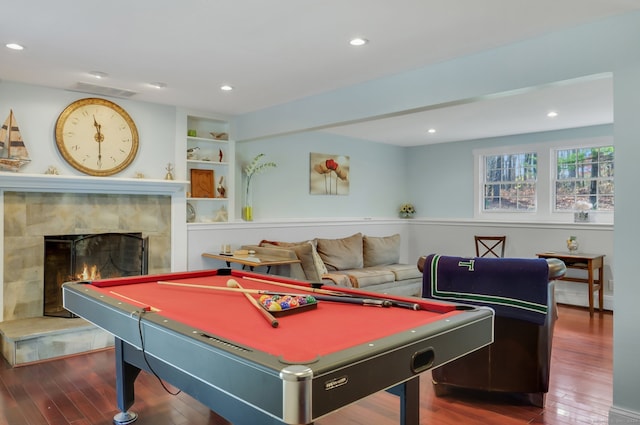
[215,344]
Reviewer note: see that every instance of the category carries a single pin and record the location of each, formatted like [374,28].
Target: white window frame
[600,216]
[545,182]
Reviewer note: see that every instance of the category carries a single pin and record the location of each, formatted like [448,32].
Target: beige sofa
[357,261]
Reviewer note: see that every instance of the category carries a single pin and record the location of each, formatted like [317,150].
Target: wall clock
[96,136]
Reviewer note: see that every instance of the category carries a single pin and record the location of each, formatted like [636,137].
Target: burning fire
[89,273]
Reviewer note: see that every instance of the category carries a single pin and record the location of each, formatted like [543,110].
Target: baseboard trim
[622,416]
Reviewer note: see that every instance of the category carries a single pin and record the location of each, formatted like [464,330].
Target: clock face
[96,136]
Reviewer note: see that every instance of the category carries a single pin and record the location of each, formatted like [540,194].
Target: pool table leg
[409,393]
[126,375]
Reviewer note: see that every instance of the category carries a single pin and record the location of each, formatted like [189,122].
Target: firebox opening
[89,257]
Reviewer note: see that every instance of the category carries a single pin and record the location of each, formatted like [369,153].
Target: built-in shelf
[205,152]
[203,162]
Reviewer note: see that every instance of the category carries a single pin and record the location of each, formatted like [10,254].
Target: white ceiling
[277,51]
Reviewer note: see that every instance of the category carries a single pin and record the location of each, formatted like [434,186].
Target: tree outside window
[584,176]
[510,182]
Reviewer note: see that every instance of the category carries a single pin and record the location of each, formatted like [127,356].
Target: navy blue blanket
[513,287]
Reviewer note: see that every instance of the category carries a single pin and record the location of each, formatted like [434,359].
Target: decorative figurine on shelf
[52,170]
[219,136]
[169,175]
[191,153]
[572,244]
[220,155]
[221,189]
[221,215]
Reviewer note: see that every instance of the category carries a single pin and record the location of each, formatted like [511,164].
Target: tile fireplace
[30,216]
[33,206]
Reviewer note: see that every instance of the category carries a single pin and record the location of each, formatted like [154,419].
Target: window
[584,179]
[548,181]
[510,182]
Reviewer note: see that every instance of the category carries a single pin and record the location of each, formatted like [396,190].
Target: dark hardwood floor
[80,390]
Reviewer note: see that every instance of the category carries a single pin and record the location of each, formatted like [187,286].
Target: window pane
[510,182]
[582,176]
[605,203]
[605,187]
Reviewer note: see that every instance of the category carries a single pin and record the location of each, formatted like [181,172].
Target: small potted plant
[407,210]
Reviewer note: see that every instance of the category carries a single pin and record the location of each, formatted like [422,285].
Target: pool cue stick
[304,288]
[349,300]
[394,303]
[226,288]
[151,308]
[256,304]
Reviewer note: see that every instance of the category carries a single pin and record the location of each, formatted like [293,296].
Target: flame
[89,273]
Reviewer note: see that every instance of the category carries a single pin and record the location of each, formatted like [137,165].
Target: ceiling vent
[102,90]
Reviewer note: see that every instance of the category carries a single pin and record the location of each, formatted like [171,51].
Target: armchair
[521,291]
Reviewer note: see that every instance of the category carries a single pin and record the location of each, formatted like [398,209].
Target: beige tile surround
[29,216]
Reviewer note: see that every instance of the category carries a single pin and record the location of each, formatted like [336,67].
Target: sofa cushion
[380,251]
[341,254]
[364,277]
[404,271]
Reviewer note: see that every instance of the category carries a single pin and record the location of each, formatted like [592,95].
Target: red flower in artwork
[331,164]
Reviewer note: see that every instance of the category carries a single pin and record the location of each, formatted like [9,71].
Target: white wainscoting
[419,237]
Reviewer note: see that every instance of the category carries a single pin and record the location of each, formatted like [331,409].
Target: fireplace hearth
[89,257]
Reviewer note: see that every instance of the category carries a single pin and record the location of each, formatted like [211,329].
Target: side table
[589,262]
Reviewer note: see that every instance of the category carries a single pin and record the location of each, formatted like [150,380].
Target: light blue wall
[37,109]
[609,45]
[442,177]
[626,351]
[377,177]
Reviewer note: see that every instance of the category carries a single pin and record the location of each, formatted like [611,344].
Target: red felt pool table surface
[329,328]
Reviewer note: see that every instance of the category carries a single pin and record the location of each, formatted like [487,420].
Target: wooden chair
[490,245]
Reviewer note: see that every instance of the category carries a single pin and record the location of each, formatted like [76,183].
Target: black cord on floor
[144,355]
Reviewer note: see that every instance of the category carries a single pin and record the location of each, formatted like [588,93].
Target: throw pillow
[313,268]
[380,251]
[304,251]
[317,260]
[341,254]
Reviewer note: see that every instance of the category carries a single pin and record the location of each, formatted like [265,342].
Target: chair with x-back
[492,246]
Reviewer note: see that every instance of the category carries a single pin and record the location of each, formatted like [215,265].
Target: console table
[589,262]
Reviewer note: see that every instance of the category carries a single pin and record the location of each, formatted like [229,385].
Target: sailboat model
[13,153]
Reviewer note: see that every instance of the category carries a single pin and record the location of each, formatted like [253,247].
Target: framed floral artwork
[329,174]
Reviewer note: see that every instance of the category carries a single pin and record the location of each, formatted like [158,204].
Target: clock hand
[99,137]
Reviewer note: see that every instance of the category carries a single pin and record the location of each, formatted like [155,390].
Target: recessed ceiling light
[552,114]
[358,41]
[14,46]
[158,85]
[98,74]
[226,87]
[431,130]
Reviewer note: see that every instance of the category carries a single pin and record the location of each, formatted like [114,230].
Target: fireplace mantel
[87,184]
